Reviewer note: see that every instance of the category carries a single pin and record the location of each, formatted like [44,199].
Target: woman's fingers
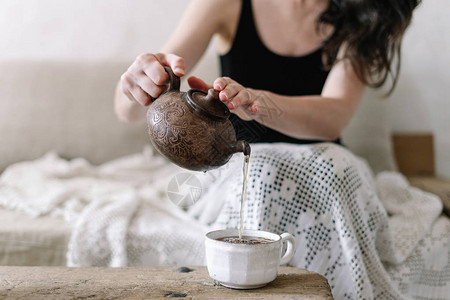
[198,84]
[150,87]
[243,98]
[131,87]
[139,95]
[146,78]
[150,66]
[232,93]
[227,87]
[175,62]
[254,107]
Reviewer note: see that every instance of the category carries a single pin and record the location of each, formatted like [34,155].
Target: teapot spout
[241,146]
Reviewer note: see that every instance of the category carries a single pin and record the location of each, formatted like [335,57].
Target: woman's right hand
[146,78]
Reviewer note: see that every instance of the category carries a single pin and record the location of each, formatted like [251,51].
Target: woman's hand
[240,100]
[198,84]
[146,78]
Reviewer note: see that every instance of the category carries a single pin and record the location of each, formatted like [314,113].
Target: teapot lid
[208,103]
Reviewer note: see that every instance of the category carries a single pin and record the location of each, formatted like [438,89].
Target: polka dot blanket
[372,237]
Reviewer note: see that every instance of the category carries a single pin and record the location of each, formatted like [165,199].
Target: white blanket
[371,237]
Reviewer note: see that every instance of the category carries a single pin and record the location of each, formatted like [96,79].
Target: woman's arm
[321,117]
[146,79]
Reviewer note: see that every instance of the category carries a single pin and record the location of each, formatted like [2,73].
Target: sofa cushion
[63,106]
[28,241]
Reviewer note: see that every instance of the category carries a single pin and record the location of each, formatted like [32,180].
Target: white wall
[90,29]
[421,102]
[75,30]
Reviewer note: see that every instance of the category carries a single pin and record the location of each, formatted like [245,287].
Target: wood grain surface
[149,283]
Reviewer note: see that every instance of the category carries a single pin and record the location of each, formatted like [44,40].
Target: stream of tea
[243,196]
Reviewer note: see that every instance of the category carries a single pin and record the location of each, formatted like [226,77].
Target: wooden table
[149,283]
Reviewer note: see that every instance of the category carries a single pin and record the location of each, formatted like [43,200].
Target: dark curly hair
[371,33]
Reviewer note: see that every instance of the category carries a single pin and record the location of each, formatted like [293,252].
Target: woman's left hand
[239,100]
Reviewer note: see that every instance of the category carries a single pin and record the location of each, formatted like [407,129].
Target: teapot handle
[174,81]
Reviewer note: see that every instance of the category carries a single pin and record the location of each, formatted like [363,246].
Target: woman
[277,52]
[293,72]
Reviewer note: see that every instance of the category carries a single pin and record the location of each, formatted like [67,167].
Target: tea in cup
[248,262]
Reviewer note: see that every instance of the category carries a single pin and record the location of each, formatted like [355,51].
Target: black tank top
[253,65]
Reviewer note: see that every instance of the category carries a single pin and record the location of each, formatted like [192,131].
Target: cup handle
[290,250]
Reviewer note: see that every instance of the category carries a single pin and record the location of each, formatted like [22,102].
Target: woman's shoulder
[220,3]
[222,9]
[221,15]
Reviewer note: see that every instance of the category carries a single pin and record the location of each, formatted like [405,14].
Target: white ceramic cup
[246,266]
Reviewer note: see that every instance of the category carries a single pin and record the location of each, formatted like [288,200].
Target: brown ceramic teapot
[191,128]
